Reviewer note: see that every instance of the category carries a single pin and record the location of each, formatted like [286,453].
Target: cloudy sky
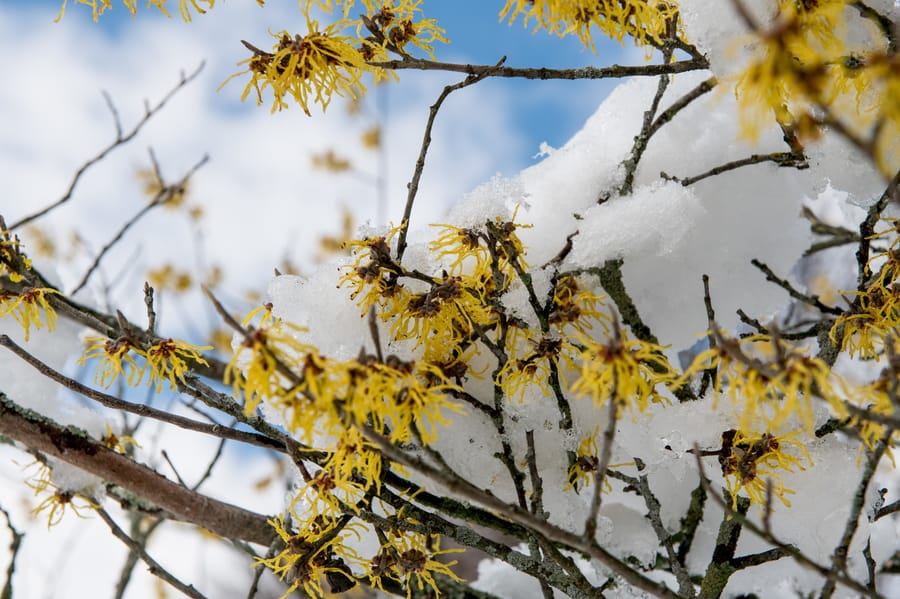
[263,202]
[259,179]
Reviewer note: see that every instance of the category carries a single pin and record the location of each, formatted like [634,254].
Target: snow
[668,236]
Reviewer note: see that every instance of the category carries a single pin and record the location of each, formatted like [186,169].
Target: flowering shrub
[544,384]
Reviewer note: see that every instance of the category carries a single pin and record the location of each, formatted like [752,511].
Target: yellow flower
[354,466]
[409,557]
[749,463]
[318,550]
[876,311]
[26,308]
[167,277]
[371,138]
[13,262]
[769,391]
[464,250]
[117,442]
[395,25]
[581,472]
[623,370]
[115,359]
[876,401]
[534,367]
[808,64]
[330,161]
[449,312]
[396,396]
[168,359]
[266,317]
[306,68]
[373,272]
[58,500]
[576,307]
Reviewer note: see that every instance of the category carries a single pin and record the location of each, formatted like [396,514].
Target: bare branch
[840,555]
[614,71]
[14,544]
[119,141]
[812,300]
[161,198]
[152,565]
[787,159]
[413,186]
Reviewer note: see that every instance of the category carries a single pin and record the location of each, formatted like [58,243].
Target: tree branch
[614,71]
[75,447]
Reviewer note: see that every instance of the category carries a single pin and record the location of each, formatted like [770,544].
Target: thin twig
[165,455]
[867,230]
[152,565]
[682,103]
[685,586]
[161,198]
[786,159]
[14,545]
[609,435]
[209,468]
[151,313]
[537,484]
[119,141]
[812,300]
[140,536]
[115,403]
[891,508]
[840,554]
[643,138]
[413,186]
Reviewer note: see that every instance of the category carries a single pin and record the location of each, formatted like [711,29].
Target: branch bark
[75,447]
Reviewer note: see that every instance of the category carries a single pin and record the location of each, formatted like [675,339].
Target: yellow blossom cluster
[98,7]
[626,371]
[769,392]
[647,23]
[873,318]
[30,306]
[412,559]
[165,360]
[315,551]
[750,463]
[306,68]
[809,72]
[317,394]
[324,62]
[443,314]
